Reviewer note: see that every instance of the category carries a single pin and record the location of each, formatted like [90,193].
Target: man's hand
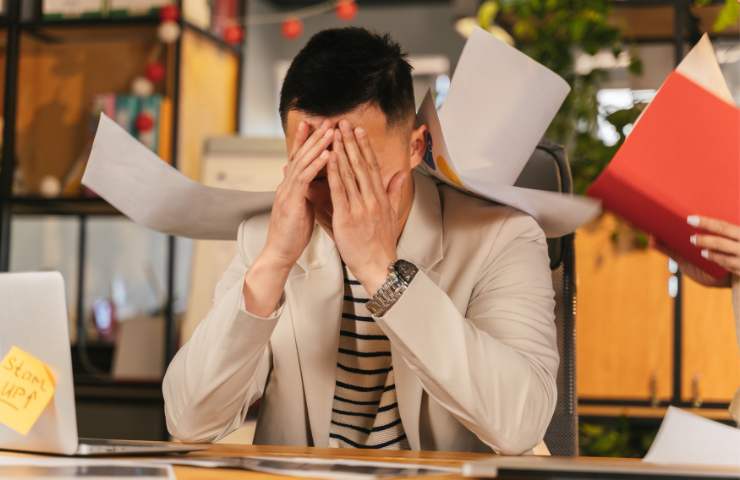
[291,221]
[292,218]
[365,223]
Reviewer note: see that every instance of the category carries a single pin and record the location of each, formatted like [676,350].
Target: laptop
[33,317]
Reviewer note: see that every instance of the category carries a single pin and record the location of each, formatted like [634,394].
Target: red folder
[682,158]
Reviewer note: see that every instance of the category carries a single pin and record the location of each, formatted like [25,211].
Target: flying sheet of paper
[26,387]
[499,105]
[152,193]
[557,214]
[688,439]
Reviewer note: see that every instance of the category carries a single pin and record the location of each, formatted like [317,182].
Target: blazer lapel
[421,244]
[316,314]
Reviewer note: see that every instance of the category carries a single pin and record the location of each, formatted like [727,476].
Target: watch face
[406,270]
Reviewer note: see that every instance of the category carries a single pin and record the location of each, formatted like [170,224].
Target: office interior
[640,336]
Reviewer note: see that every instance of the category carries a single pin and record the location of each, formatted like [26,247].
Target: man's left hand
[365,222]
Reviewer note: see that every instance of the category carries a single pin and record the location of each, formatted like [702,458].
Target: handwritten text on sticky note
[26,387]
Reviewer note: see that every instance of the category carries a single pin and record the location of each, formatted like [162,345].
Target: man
[412,316]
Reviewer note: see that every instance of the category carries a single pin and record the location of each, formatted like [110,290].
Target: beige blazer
[472,339]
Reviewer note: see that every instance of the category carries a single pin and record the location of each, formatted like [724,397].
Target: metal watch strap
[399,277]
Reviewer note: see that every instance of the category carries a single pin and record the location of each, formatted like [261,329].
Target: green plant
[728,16]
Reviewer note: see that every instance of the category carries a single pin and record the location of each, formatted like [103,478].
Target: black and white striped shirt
[365,410]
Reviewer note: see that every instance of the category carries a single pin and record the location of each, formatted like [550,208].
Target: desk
[447,459]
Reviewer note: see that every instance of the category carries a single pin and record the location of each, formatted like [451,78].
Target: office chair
[548,169]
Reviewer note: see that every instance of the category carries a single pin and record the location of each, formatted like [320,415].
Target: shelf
[89,22]
[49,30]
[610,411]
[62,206]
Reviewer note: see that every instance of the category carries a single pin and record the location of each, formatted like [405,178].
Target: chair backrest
[548,169]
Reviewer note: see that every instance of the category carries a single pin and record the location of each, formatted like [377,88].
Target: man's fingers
[719,244]
[301,135]
[720,227]
[336,187]
[346,176]
[316,136]
[306,176]
[370,161]
[359,170]
[311,154]
[356,160]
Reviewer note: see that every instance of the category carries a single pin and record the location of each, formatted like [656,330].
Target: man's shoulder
[464,213]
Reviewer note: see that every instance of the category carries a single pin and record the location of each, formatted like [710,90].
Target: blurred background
[198,82]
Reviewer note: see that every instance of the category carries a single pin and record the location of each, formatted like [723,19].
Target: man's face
[397,148]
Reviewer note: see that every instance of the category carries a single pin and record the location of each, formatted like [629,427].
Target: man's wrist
[274,263]
[374,276]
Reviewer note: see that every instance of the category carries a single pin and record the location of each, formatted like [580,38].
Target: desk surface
[447,459]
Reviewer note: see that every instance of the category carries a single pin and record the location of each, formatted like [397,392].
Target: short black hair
[340,69]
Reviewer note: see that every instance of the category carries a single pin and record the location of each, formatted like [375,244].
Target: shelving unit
[94,392]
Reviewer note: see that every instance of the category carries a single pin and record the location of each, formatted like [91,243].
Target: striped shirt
[365,411]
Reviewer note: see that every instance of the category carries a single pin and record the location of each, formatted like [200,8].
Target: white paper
[688,439]
[557,214]
[498,107]
[701,66]
[152,193]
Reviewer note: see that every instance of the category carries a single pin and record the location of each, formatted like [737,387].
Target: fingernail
[329,133]
[324,155]
[359,131]
[693,220]
[705,253]
[692,239]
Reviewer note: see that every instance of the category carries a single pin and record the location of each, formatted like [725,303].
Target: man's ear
[417,145]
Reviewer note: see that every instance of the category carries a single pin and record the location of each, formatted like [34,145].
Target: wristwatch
[400,274]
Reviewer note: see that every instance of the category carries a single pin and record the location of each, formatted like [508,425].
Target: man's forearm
[264,284]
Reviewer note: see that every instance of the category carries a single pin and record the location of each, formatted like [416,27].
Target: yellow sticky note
[26,387]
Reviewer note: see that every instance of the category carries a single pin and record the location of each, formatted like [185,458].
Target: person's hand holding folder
[721,245]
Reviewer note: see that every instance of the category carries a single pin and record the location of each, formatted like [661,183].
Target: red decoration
[144,122]
[155,72]
[292,28]
[346,9]
[169,13]
[233,35]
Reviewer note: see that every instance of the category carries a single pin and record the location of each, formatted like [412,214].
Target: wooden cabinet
[623,318]
[624,325]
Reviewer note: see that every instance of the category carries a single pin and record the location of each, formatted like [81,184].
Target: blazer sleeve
[495,367]
[224,367]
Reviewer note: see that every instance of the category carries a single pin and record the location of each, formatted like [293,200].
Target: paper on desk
[688,439]
[26,387]
[152,193]
[499,105]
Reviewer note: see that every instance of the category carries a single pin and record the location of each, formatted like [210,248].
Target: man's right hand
[291,221]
